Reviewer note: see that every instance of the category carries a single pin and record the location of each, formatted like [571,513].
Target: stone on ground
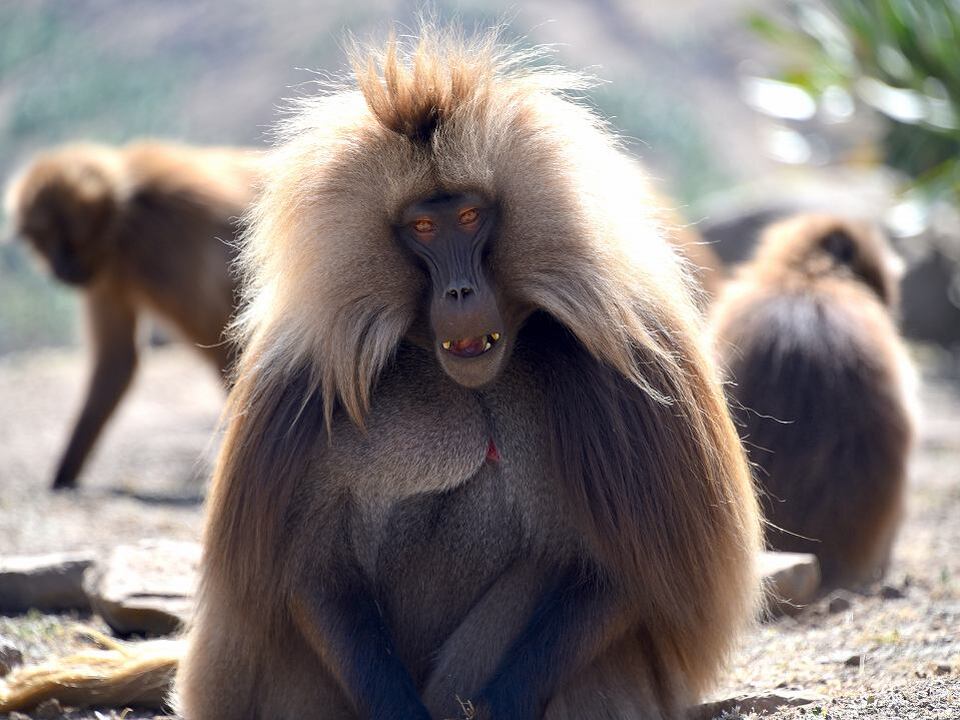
[10,656]
[146,588]
[50,583]
[792,580]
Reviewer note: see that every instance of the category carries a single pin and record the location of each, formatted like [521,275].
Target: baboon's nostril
[459,292]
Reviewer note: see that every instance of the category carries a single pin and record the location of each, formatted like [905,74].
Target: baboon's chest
[449,487]
[440,553]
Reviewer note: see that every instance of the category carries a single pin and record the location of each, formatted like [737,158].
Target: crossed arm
[571,622]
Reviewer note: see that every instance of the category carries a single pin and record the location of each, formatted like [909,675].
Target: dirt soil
[892,651]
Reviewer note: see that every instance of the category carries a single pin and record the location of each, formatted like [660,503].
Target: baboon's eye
[424,226]
[469,216]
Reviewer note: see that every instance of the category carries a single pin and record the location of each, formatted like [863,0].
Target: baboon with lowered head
[821,387]
[146,227]
[478,462]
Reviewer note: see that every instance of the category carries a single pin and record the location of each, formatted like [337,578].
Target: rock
[854,660]
[734,217]
[146,588]
[48,710]
[942,669]
[928,312]
[839,602]
[10,656]
[49,583]
[735,235]
[791,580]
[890,592]
[763,703]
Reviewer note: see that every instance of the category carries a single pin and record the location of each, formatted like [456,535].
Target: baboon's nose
[459,291]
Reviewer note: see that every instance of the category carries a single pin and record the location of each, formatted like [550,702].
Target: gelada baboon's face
[67,225]
[451,237]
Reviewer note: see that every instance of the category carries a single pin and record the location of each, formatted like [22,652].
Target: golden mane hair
[448,114]
[329,296]
[802,248]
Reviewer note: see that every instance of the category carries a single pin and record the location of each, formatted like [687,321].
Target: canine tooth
[446,344]
[495,336]
[487,346]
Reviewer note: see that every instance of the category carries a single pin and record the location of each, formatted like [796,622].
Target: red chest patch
[493,455]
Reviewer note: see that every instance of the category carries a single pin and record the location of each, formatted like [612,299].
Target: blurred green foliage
[897,58]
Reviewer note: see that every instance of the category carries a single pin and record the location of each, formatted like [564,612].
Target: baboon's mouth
[471,346]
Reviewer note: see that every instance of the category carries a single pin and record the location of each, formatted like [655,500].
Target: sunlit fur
[661,494]
[703,262]
[823,389]
[339,180]
[146,227]
[114,674]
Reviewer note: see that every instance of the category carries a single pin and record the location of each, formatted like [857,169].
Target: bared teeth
[470,347]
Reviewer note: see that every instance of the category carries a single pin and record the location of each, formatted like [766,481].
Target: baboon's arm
[345,627]
[113,328]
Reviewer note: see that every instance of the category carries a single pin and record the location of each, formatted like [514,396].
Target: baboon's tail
[117,674]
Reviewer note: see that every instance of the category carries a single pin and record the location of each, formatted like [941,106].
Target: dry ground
[886,656]
[882,657]
[146,477]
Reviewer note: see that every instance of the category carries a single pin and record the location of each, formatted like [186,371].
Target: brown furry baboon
[820,384]
[479,463]
[146,227]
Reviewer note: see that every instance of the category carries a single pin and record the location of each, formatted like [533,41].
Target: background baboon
[547,511]
[146,227]
[820,387]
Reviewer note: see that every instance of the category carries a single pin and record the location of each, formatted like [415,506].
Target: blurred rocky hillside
[210,71]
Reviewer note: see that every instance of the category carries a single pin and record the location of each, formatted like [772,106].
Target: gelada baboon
[146,227]
[821,385]
[478,462]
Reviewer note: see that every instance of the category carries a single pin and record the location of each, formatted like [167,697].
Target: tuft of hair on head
[411,95]
[824,245]
[413,84]
[839,245]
